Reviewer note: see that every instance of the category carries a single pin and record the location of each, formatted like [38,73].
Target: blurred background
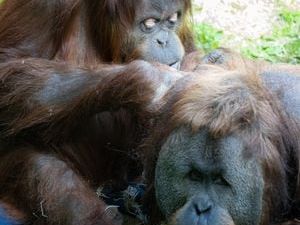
[265,29]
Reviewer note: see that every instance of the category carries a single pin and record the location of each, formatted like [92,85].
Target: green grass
[282,45]
[207,37]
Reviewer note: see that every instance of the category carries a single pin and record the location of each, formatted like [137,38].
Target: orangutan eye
[219,180]
[195,175]
[174,18]
[150,23]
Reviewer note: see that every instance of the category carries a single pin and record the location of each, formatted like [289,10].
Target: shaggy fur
[69,123]
[81,32]
[227,102]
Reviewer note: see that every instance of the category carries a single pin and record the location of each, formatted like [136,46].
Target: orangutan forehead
[161,7]
[204,147]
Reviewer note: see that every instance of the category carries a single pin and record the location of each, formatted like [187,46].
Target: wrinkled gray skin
[210,182]
[210,178]
[160,43]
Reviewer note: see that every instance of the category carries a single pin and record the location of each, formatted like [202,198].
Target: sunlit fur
[234,100]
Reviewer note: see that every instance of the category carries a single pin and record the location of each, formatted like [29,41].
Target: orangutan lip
[175,65]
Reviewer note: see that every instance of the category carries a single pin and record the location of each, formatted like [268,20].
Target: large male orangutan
[226,148]
[69,123]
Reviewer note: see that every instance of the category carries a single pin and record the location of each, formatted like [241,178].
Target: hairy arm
[43,94]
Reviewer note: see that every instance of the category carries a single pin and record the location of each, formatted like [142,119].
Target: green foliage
[283,45]
[207,37]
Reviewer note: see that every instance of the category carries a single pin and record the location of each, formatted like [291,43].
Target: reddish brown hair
[227,102]
[83,32]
